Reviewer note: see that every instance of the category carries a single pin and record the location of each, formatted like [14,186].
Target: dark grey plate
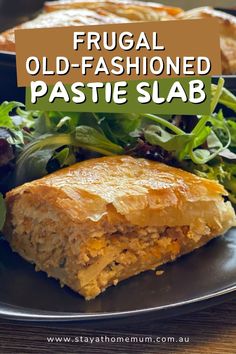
[194,281]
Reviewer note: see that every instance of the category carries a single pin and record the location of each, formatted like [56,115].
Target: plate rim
[18,313]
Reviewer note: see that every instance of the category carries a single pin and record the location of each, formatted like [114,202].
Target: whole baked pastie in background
[65,13]
[227,25]
[77,13]
[103,220]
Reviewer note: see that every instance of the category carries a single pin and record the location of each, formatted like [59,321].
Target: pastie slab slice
[103,220]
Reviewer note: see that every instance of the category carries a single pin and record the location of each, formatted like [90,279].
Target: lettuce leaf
[91,139]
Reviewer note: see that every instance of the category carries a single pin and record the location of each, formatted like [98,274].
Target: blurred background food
[74,13]
[13,12]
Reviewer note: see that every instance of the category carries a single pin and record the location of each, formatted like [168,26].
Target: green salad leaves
[42,142]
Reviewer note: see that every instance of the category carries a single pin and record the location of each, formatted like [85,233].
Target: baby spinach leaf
[91,139]
[156,135]
[5,109]
[35,166]
[36,155]
[118,126]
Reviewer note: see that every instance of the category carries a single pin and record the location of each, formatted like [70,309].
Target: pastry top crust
[227,34]
[133,188]
[76,13]
[90,12]
[134,10]
[62,18]
[227,22]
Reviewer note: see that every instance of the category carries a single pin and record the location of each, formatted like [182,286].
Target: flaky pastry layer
[103,220]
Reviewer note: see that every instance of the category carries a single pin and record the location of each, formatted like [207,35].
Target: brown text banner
[108,53]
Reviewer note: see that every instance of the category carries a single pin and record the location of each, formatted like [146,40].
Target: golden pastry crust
[75,13]
[62,18]
[80,12]
[227,34]
[103,220]
[133,10]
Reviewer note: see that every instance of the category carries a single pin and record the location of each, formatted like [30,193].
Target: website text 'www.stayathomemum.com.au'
[117,339]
